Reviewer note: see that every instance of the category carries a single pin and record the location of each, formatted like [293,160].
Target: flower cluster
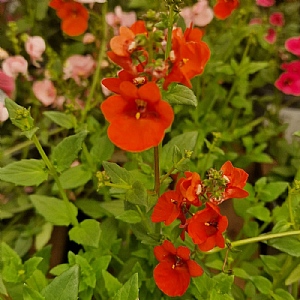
[289,81]
[137,114]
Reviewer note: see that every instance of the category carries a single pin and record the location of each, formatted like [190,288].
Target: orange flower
[224,8]
[189,56]
[138,116]
[175,269]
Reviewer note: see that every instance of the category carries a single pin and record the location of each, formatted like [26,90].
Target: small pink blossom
[293,45]
[7,84]
[289,83]
[90,1]
[45,91]
[14,65]
[271,36]
[276,19]
[88,38]
[35,47]
[3,112]
[120,18]
[255,21]
[293,66]
[265,3]
[79,66]
[199,14]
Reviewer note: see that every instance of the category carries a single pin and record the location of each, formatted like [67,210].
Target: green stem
[260,238]
[291,213]
[156,170]
[169,36]
[97,74]
[144,219]
[56,178]
[118,186]
[172,169]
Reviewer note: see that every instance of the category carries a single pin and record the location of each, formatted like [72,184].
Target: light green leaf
[180,94]
[262,284]
[63,287]
[137,194]
[130,290]
[130,216]
[272,190]
[281,294]
[87,233]
[67,150]
[54,210]
[102,149]
[62,119]
[260,213]
[75,177]
[289,245]
[3,290]
[31,294]
[112,284]
[26,172]
[91,207]
[294,276]
[41,9]
[117,174]
[115,207]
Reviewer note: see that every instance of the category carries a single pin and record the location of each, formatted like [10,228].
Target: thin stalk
[56,178]
[260,238]
[169,35]
[171,170]
[291,213]
[118,186]
[156,170]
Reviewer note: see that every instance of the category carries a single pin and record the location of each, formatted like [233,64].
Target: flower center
[178,262]
[141,108]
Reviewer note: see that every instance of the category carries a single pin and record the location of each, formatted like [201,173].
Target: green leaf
[67,150]
[253,67]
[272,191]
[91,208]
[63,287]
[102,149]
[87,233]
[259,212]
[137,194]
[31,265]
[117,174]
[26,172]
[75,177]
[112,284]
[271,262]
[41,9]
[262,284]
[3,290]
[63,120]
[115,207]
[130,290]
[289,245]
[180,94]
[31,294]
[54,210]
[130,216]
[294,276]
[281,294]
[185,141]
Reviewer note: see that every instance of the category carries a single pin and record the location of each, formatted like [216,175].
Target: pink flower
[293,66]
[255,21]
[277,19]
[271,36]
[265,3]
[88,38]
[3,112]
[79,66]
[7,84]
[14,65]
[90,1]
[293,45]
[35,47]
[45,91]
[200,14]
[289,83]
[120,18]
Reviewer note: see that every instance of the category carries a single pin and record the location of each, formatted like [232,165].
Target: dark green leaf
[130,216]
[26,172]
[117,174]
[91,208]
[115,207]
[62,119]
[180,94]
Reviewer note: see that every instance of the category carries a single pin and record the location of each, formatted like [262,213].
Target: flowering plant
[136,143]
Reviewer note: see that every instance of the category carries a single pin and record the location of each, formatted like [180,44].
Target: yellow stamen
[137,115]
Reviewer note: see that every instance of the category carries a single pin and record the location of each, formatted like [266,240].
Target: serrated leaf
[87,233]
[102,149]
[137,194]
[130,216]
[67,150]
[130,290]
[117,174]
[180,94]
[54,210]
[63,287]
[62,119]
[26,172]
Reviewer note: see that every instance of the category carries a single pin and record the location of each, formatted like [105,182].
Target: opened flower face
[224,8]
[175,269]
[293,45]
[206,228]
[138,117]
[289,83]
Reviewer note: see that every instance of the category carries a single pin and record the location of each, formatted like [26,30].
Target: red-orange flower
[206,227]
[189,56]
[224,8]
[236,180]
[138,117]
[190,187]
[175,269]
